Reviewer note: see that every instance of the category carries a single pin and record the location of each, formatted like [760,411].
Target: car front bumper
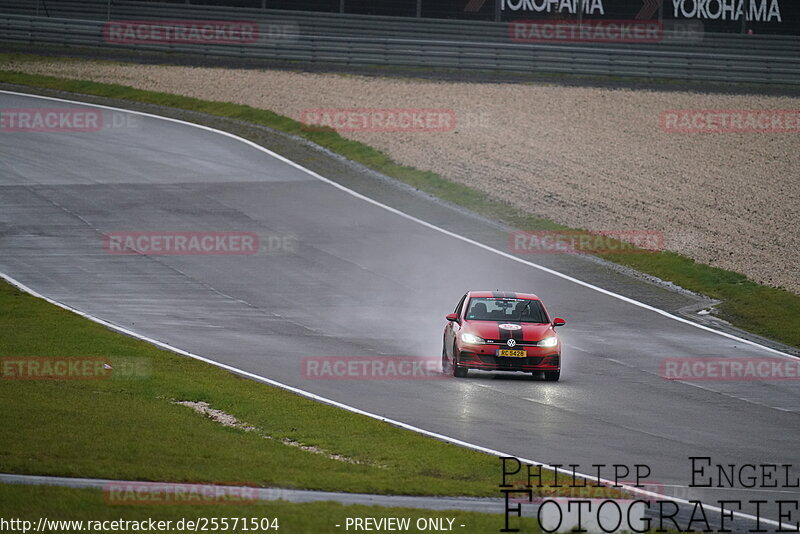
[484,357]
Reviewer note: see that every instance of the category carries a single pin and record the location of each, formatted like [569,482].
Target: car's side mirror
[559,322]
[452,317]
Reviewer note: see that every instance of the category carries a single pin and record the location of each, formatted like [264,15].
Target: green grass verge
[128,427]
[30,503]
[763,310]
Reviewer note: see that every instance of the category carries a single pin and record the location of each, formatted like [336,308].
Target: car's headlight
[548,342]
[472,339]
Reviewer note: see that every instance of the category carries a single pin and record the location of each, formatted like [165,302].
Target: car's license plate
[511,353]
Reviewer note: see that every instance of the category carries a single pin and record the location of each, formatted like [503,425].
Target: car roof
[503,295]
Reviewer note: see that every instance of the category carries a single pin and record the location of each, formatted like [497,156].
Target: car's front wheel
[552,376]
[458,372]
[446,365]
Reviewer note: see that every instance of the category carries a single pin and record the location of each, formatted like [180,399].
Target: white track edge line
[353,409]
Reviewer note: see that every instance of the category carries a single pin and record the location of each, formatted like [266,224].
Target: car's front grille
[504,343]
[510,362]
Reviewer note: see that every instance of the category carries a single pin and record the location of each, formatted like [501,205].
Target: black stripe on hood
[505,335]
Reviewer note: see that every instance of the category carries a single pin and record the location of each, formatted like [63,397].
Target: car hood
[492,330]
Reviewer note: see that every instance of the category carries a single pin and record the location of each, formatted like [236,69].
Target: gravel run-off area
[587,157]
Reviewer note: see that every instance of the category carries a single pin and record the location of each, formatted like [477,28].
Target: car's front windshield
[506,309]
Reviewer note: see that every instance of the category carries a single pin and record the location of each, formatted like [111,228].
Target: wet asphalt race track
[342,277]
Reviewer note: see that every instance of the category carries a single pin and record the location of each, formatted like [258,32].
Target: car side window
[460,305]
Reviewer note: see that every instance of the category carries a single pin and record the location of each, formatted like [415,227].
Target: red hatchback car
[501,331]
